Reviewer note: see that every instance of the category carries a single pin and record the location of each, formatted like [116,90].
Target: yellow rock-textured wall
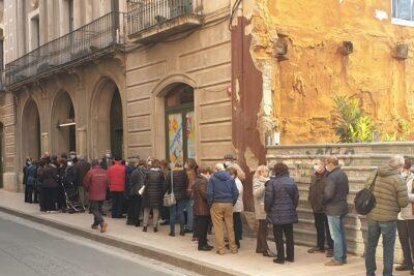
[304,85]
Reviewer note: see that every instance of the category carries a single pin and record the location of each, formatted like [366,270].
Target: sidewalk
[180,251]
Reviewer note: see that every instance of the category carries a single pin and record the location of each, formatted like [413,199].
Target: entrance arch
[63,124]
[107,120]
[180,124]
[31,130]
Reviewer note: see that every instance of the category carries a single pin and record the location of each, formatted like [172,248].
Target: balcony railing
[89,41]
[148,15]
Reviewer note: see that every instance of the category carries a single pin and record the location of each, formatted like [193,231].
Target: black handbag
[365,199]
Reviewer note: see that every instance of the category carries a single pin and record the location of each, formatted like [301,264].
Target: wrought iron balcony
[152,20]
[88,42]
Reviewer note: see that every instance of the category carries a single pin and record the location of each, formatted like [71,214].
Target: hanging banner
[175,134]
[191,135]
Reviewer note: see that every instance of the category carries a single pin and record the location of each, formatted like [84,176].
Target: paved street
[25,250]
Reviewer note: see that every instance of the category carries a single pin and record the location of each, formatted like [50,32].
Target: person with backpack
[405,223]
[390,193]
[316,190]
[335,204]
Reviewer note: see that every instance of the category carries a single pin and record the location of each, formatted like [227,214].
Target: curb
[152,253]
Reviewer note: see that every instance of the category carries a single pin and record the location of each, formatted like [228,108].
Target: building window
[403,12]
[71,15]
[35,32]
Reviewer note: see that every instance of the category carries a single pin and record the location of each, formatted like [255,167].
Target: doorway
[180,125]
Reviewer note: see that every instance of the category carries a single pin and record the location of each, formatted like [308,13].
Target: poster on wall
[191,138]
[175,134]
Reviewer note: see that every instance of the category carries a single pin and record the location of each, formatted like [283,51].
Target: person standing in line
[165,211]
[281,201]
[96,183]
[405,223]
[238,207]
[191,169]
[222,194]
[391,195]
[201,209]
[83,167]
[152,198]
[48,178]
[27,189]
[179,185]
[260,179]
[117,175]
[31,180]
[39,183]
[316,190]
[336,207]
[61,197]
[135,182]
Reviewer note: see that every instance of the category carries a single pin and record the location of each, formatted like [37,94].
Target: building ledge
[167,28]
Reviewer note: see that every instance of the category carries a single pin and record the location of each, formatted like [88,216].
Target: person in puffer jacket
[281,201]
[222,194]
[390,193]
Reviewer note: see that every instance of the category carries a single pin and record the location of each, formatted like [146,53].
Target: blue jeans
[388,231]
[337,229]
[177,210]
[190,216]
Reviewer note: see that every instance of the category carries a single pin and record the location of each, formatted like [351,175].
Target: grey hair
[396,162]
[219,167]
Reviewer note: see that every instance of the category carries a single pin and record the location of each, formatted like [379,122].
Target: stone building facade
[147,78]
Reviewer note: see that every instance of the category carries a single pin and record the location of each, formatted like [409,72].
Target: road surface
[28,249]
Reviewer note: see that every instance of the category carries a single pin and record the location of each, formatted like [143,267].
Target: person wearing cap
[229,160]
[117,177]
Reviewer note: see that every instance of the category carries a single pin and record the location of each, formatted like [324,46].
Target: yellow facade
[316,69]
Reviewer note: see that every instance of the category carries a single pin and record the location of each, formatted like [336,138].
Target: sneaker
[104,228]
[94,226]
[182,233]
[235,251]
[155,229]
[403,268]
[316,250]
[220,252]
[329,253]
[171,234]
[144,229]
[333,263]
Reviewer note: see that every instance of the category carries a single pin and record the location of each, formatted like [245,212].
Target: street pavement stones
[180,251]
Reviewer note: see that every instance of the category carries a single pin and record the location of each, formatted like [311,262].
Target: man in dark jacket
[222,194]
[48,178]
[391,195]
[316,191]
[336,207]
[136,179]
[96,183]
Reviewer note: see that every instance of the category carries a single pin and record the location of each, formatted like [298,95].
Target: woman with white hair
[260,178]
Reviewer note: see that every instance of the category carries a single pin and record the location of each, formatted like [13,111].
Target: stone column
[81,140]
[51,25]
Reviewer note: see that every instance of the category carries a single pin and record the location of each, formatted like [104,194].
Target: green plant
[351,124]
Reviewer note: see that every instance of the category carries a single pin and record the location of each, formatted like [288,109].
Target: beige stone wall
[201,60]
[315,69]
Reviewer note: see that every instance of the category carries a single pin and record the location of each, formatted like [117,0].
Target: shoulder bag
[365,200]
[169,198]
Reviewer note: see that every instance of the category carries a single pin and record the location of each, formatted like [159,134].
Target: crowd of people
[201,198]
